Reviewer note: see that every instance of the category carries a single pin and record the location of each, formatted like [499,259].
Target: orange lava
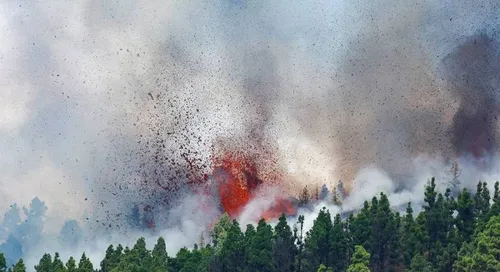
[283,206]
[237,179]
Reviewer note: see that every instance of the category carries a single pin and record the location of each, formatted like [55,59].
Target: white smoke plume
[104,103]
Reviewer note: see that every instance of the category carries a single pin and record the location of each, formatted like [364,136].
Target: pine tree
[57,264]
[284,249]
[359,260]
[219,232]
[464,262]
[3,263]
[318,240]
[446,249]
[495,207]
[250,233]
[160,256]
[485,255]
[207,254]
[181,258]
[482,205]
[45,264]
[137,259]
[19,266]
[449,234]
[193,261]
[298,234]
[349,237]
[436,220]
[420,264]
[85,265]
[71,265]
[408,240]
[111,259]
[360,228]
[465,218]
[260,247]
[140,255]
[232,254]
[339,244]
[384,243]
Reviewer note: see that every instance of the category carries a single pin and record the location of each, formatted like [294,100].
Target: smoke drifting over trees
[105,105]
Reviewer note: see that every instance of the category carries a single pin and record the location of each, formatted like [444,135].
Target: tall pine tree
[284,249]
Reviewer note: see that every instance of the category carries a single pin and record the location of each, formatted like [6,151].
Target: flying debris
[473,73]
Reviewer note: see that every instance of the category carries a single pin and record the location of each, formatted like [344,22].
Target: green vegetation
[449,234]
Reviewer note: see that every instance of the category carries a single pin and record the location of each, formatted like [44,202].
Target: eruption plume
[134,118]
[473,71]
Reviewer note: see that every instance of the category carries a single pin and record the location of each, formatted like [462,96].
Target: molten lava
[282,206]
[237,179]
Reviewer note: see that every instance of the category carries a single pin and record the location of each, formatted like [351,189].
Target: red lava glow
[285,206]
[237,179]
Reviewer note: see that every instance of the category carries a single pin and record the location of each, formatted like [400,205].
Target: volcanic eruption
[146,116]
[234,173]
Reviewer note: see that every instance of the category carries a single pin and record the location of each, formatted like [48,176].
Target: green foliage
[420,264]
[339,244]
[260,256]
[284,249]
[85,265]
[298,234]
[449,234]
[318,240]
[384,244]
[219,233]
[482,204]
[159,256]
[3,263]
[323,268]
[45,264]
[71,265]
[466,218]
[408,238]
[495,207]
[111,259]
[360,228]
[181,258]
[359,260]
[57,264]
[138,259]
[232,254]
[485,254]
[19,266]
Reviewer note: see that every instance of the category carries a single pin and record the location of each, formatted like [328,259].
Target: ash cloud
[473,71]
[104,104]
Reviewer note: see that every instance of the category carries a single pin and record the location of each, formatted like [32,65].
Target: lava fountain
[238,179]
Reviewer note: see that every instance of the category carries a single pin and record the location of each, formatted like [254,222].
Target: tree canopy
[458,233]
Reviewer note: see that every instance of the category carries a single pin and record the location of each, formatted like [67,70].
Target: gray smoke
[474,78]
[109,106]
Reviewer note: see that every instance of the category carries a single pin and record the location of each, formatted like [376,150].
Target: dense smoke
[109,109]
[474,78]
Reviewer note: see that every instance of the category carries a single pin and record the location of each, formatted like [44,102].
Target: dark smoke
[473,71]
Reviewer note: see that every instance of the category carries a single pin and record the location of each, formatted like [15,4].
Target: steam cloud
[104,104]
